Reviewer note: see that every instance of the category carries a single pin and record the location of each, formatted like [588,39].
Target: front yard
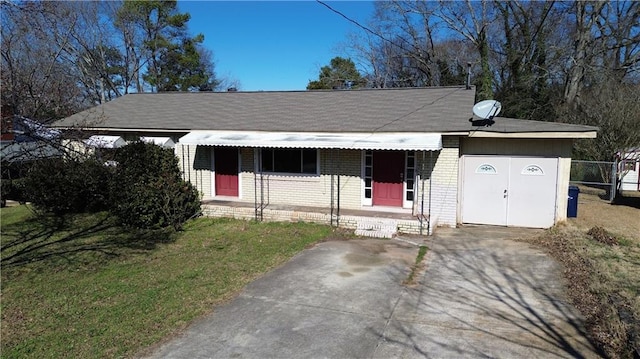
[600,253]
[92,290]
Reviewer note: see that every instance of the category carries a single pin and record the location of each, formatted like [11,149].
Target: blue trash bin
[572,205]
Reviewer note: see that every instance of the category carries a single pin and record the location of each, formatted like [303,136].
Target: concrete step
[377,228]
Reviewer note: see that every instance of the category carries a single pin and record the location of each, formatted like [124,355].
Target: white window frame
[363,166]
[368,202]
[406,203]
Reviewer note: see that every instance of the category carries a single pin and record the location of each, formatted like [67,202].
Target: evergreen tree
[174,61]
[340,74]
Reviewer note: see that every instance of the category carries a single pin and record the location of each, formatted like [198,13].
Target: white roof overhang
[165,142]
[357,141]
[546,135]
[104,141]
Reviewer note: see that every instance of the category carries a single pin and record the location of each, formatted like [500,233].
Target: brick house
[412,154]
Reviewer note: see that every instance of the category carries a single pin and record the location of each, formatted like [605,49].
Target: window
[629,165]
[368,173]
[486,168]
[290,160]
[410,175]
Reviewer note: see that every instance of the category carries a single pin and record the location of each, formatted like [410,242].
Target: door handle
[504,194]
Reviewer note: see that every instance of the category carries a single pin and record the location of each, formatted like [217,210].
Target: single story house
[629,169]
[25,140]
[410,152]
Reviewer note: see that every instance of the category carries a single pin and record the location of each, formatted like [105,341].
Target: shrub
[67,186]
[13,189]
[12,185]
[148,190]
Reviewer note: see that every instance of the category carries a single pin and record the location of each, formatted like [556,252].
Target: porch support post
[332,170]
[258,178]
[255,183]
[614,181]
[335,186]
[422,194]
[338,174]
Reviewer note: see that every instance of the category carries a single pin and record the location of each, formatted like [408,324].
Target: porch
[375,222]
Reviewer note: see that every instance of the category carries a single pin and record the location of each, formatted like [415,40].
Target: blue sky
[273,45]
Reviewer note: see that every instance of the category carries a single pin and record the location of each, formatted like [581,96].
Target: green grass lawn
[89,289]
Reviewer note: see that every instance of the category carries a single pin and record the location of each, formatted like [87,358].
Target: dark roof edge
[304,91]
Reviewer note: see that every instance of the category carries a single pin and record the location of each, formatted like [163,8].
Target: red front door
[388,176]
[226,167]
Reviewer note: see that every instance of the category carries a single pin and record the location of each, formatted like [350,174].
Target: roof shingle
[432,109]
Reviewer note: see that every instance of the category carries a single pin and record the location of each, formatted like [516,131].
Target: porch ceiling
[356,141]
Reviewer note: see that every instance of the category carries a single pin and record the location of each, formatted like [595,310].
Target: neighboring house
[104,146]
[25,140]
[629,169]
[409,151]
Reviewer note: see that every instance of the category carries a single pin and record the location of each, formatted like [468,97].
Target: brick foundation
[406,226]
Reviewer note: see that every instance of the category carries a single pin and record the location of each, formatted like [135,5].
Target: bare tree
[524,53]
[585,17]
[37,81]
[398,48]
[615,108]
[473,21]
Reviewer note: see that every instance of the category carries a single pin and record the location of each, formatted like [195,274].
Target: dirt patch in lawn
[621,218]
[600,254]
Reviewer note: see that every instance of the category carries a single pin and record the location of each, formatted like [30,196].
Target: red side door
[226,168]
[388,176]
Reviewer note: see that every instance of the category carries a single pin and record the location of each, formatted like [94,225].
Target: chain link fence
[595,177]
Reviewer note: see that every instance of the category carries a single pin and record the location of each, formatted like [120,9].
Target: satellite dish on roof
[487,109]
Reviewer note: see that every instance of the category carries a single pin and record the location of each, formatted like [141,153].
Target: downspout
[189,161]
[430,186]
[196,172]
[184,177]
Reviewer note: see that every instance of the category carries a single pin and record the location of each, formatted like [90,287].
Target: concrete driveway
[481,295]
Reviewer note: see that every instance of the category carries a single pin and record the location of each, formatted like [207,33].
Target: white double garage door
[509,191]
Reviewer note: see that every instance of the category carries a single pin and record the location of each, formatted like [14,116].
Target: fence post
[614,181]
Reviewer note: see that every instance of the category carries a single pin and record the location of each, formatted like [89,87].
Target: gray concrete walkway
[481,295]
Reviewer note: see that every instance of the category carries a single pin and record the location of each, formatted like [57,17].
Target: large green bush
[148,190]
[144,189]
[67,186]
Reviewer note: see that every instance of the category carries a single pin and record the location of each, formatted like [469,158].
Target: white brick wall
[315,190]
[299,190]
[444,182]
[307,190]
[195,164]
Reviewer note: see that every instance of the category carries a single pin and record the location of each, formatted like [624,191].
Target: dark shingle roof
[433,109]
[512,125]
